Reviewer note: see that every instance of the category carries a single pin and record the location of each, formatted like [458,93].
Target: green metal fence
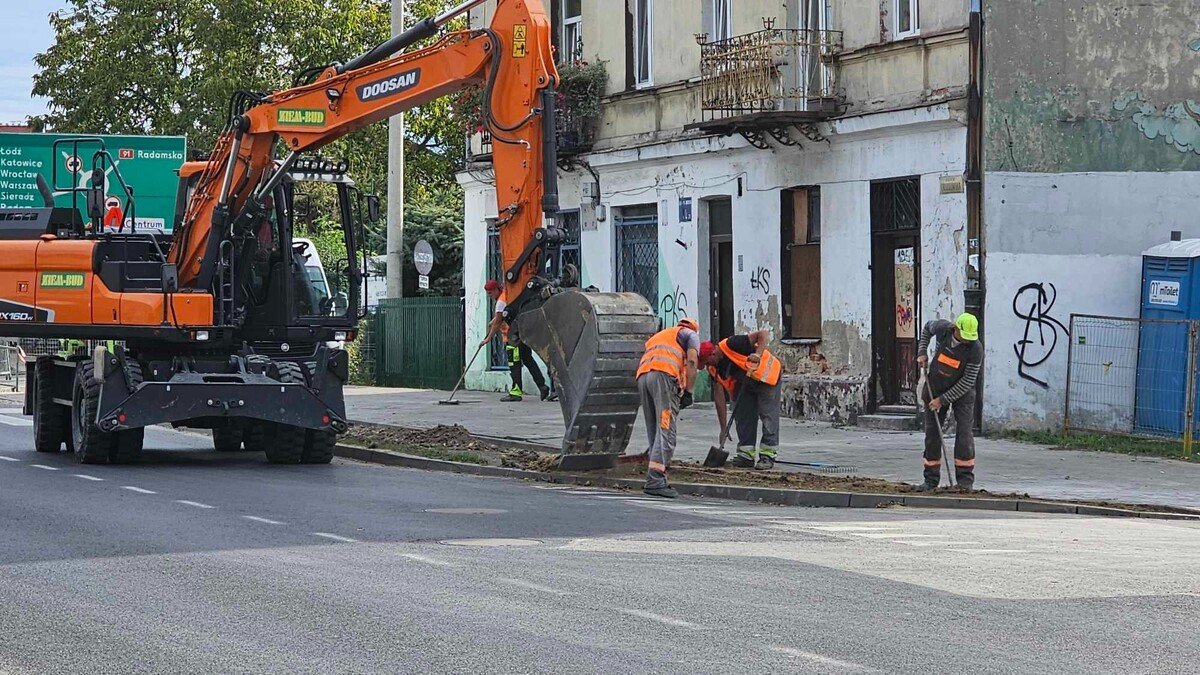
[419,342]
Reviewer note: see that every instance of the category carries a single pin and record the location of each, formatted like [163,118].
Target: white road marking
[936,543]
[9,459]
[679,623]
[427,561]
[87,477]
[848,528]
[265,521]
[986,551]
[827,661]
[15,421]
[43,466]
[141,491]
[334,537]
[535,587]
[896,535]
[195,504]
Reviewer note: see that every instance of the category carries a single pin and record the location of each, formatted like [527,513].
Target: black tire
[256,435]
[227,438]
[318,446]
[51,421]
[286,444]
[92,446]
[128,445]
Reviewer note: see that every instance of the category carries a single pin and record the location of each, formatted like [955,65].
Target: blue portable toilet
[1170,296]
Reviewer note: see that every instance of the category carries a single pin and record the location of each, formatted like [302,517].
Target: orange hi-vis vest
[727,383]
[663,354]
[767,371]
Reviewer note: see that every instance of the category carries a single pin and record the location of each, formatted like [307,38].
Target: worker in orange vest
[666,377]
[743,369]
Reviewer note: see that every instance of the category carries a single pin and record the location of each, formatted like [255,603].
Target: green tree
[438,221]
[170,67]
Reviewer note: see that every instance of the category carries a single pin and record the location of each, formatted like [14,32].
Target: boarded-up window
[800,261]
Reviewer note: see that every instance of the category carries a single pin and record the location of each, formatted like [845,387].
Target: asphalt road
[194,562]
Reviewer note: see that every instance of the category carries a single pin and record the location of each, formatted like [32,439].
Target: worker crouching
[666,377]
[749,375]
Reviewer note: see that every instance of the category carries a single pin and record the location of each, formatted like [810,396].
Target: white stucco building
[830,212]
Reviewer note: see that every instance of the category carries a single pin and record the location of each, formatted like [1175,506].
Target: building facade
[795,166]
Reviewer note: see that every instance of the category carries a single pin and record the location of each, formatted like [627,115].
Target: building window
[571,35]
[637,251]
[800,262]
[497,359]
[643,32]
[908,18]
[722,20]
[568,252]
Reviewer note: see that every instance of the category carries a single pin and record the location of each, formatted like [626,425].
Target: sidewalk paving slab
[1004,466]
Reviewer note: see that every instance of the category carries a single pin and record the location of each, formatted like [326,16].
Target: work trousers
[964,440]
[660,407]
[519,354]
[757,402]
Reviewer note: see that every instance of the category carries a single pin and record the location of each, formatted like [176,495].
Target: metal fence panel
[1131,376]
[419,342]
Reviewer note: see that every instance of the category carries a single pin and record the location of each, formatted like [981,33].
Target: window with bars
[569,251]
[637,251]
[497,359]
[800,262]
[571,33]
[896,205]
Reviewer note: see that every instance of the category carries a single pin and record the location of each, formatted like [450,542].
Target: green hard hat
[968,326]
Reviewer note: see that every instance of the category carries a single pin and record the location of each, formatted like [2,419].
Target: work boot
[742,462]
[512,398]
[968,486]
[927,486]
[545,392]
[553,395]
[664,491]
[765,463]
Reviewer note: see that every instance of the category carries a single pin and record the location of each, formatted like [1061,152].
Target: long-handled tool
[937,421]
[717,455]
[819,467]
[450,400]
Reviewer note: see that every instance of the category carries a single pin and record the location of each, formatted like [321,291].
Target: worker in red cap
[518,352]
[746,372]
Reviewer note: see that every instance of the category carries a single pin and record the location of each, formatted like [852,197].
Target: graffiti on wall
[760,280]
[1033,304]
[673,307]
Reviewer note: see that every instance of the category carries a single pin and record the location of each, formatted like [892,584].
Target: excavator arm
[590,340]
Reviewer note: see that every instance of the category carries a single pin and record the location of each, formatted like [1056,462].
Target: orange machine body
[51,280]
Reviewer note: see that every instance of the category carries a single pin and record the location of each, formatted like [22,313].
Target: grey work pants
[660,408]
[757,402]
[964,440]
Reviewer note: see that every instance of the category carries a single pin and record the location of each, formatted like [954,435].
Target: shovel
[937,420]
[717,455]
[450,400]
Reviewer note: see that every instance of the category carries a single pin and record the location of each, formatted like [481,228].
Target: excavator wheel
[91,445]
[51,421]
[128,445]
[286,444]
[318,446]
[593,343]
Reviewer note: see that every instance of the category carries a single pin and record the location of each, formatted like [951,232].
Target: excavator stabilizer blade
[592,343]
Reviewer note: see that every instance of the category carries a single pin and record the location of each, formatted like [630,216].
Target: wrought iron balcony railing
[774,71]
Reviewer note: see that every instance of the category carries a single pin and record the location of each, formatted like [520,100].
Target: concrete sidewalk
[1004,466]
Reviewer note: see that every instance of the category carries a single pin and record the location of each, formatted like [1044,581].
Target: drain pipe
[975,293]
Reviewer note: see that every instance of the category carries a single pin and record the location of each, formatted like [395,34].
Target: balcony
[763,82]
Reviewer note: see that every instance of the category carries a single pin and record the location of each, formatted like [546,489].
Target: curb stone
[781,496]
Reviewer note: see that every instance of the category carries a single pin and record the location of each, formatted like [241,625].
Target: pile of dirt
[449,442]
[529,460]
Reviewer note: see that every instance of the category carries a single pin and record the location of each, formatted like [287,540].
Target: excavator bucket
[592,343]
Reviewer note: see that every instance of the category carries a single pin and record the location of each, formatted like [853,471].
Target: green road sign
[147,163]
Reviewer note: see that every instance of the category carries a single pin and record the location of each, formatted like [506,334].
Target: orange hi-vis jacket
[664,354]
[768,370]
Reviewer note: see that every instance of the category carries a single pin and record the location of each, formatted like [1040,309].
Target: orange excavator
[217,324]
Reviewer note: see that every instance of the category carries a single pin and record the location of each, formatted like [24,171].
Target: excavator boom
[590,340]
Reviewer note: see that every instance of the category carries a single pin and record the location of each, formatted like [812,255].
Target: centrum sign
[148,164]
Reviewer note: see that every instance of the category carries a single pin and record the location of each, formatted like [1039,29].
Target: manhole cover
[468,512]
[492,543]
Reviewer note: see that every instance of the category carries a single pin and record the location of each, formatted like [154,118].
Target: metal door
[720,281]
[896,289]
